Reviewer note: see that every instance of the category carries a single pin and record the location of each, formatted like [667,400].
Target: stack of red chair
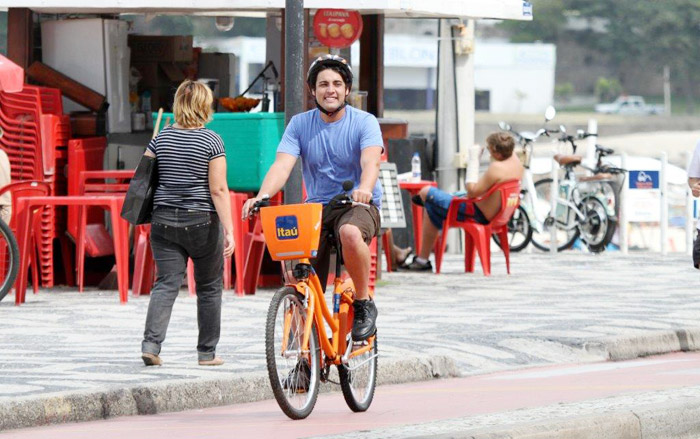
[36,134]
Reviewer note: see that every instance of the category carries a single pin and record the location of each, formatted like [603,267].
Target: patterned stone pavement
[544,312]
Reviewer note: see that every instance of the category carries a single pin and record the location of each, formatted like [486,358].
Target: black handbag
[138,203]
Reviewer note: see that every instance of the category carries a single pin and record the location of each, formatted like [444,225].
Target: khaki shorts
[367,220]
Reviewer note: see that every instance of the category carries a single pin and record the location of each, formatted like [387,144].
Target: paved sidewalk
[62,350]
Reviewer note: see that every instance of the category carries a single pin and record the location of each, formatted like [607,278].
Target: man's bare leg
[356,258]
[429,236]
[357,261]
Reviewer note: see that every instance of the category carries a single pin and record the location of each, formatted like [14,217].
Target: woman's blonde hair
[193,104]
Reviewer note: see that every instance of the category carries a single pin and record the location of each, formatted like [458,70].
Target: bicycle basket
[292,231]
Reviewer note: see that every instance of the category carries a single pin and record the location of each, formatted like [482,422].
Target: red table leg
[413,188]
[239,255]
[254,257]
[120,235]
[23,238]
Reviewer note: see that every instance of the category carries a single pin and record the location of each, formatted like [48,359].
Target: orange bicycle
[298,351]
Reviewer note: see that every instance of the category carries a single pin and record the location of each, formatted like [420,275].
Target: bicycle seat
[527,135]
[603,150]
[597,177]
[568,160]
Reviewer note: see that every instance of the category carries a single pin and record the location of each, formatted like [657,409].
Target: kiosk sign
[644,197]
[337,28]
[644,179]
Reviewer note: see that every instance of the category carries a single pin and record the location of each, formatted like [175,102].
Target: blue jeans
[177,234]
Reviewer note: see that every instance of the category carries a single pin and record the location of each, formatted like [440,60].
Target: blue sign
[287,227]
[644,180]
[527,9]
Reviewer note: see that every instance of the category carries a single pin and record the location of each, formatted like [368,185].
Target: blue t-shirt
[330,152]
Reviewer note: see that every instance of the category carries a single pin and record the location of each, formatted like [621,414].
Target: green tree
[637,34]
[547,23]
[650,34]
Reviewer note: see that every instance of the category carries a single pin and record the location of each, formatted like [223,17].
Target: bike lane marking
[399,405]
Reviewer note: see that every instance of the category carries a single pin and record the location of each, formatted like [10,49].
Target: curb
[657,421]
[182,395]
[644,344]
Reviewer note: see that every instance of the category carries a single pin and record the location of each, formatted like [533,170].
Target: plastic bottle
[415,167]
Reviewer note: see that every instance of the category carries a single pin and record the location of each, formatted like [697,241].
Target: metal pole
[663,187]
[447,122]
[294,88]
[689,221]
[590,146]
[624,225]
[554,193]
[689,216]
[667,90]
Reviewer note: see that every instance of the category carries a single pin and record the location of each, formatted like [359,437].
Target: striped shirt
[183,167]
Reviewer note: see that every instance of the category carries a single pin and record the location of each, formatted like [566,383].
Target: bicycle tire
[358,389]
[9,259]
[594,210]
[519,222]
[541,240]
[295,401]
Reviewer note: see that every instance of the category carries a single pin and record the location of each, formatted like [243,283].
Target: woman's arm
[218,187]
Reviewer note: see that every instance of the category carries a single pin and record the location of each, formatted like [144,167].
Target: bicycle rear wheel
[358,378]
[597,228]
[542,206]
[9,259]
[293,372]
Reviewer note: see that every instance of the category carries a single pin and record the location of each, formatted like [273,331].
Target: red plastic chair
[477,236]
[28,189]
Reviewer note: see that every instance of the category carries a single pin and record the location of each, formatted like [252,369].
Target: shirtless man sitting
[504,166]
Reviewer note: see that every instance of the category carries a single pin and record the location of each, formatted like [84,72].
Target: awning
[498,9]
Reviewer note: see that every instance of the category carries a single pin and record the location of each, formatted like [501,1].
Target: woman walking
[191,219]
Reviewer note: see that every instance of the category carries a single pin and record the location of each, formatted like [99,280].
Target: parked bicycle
[585,208]
[525,219]
[298,350]
[9,259]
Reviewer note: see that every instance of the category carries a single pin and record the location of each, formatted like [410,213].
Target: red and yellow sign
[337,28]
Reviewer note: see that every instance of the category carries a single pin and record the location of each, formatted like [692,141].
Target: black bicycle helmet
[333,61]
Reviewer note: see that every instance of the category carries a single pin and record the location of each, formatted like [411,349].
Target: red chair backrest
[24,189]
[510,199]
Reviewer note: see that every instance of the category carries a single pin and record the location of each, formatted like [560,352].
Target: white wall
[520,77]
[506,70]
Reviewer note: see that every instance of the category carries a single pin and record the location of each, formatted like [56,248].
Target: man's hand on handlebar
[253,205]
[361,196]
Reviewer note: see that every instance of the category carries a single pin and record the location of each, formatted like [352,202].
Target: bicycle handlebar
[342,199]
[264,202]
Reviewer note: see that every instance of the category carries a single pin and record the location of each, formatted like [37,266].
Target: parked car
[629,105]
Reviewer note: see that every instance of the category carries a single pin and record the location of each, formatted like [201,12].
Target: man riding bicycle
[336,143]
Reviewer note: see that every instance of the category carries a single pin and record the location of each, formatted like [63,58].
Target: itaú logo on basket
[287,227]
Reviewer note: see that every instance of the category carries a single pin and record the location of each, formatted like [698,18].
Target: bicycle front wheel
[563,220]
[359,377]
[9,259]
[293,371]
[519,231]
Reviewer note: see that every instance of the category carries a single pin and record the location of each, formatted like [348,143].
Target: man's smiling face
[331,90]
